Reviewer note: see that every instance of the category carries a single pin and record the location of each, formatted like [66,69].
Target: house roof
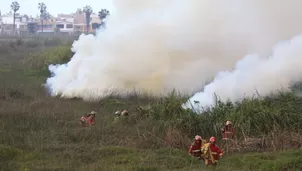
[65,15]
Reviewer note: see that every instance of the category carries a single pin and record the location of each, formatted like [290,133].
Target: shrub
[32,44]
[41,60]
[52,41]
[19,42]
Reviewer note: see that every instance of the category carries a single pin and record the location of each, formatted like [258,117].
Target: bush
[41,60]
[8,153]
[32,44]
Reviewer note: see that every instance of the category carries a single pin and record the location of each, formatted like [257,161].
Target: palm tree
[102,15]
[15,7]
[88,11]
[46,17]
[42,7]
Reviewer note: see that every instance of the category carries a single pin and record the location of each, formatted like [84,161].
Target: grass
[39,132]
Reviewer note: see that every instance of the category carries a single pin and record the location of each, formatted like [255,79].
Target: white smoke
[158,45]
[253,73]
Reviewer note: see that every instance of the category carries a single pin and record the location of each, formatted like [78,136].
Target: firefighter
[195,148]
[91,118]
[228,131]
[124,113]
[83,120]
[117,115]
[211,152]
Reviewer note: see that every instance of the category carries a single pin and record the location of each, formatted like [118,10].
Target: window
[95,25]
[69,26]
[47,26]
[60,26]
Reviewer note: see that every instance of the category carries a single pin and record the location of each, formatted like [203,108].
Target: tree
[42,7]
[15,7]
[102,15]
[88,11]
[46,16]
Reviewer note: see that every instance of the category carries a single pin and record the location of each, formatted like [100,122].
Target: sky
[30,7]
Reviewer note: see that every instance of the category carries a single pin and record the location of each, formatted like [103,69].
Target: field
[39,132]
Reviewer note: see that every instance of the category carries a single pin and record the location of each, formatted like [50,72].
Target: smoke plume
[155,46]
[253,73]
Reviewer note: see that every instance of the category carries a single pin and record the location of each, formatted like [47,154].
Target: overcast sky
[30,7]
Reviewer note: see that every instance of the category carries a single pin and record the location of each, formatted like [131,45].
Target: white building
[64,26]
[64,23]
[8,23]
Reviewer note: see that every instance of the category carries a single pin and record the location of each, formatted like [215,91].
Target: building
[80,25]
[79,22]
[46,26]
[7,23]
[66,17]
[32,27]
[64,26]
[23,29]
[95,22]
[63,23]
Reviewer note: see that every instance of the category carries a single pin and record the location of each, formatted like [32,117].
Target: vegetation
[15,7]
[102,15]
[88,11]
[43,13]
[39,132]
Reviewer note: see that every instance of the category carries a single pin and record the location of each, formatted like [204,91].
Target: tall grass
[41,60]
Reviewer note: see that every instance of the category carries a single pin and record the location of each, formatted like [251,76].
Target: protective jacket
[228,132]
[210,153]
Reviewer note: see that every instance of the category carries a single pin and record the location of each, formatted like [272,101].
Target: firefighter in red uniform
[83,120]
[211,152]
[228,131]
[91,118]
[195,148]
[88,119]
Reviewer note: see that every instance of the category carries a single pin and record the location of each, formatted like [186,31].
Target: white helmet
[124,113]
[93,112]
[228,123]
[117,112]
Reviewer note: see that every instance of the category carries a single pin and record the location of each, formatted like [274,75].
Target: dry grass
[39,132]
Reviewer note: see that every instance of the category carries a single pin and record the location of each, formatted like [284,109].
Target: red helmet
[212,139]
